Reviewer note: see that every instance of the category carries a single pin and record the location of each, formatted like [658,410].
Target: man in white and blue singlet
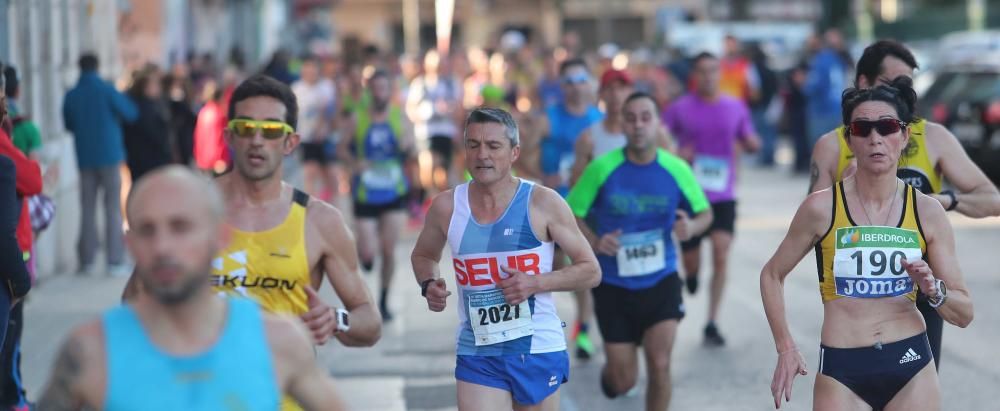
[502,232]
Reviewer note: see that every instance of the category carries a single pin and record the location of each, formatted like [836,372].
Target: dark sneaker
[692,284]
[712,336]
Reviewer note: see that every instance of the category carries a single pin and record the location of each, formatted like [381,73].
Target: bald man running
[177,346]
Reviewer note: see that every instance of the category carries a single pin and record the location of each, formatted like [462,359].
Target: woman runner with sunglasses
[878,243]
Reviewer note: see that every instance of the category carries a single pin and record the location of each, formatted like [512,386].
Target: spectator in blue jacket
[94,111]
[825,82]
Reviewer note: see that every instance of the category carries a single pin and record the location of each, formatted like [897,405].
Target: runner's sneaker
[584,347]
[692,284]
[712,336]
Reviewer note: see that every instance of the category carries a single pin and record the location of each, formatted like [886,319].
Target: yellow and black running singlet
[269,267]
[866,261]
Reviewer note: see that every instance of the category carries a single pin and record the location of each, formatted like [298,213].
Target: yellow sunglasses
[270,129]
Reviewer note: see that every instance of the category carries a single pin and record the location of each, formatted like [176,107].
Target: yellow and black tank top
[866,261]
[915,166]
[268,266]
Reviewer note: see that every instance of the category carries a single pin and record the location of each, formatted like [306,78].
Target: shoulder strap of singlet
[300,198]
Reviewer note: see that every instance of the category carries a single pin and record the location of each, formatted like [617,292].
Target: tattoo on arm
[59,395]
[813,176]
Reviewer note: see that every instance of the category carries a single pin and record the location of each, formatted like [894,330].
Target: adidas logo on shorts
[553,381]
[910,355]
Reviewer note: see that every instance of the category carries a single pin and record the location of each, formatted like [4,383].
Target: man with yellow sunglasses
[284,241]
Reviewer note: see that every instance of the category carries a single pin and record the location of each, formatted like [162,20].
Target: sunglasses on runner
[576,79]
[270,129]
[884,126]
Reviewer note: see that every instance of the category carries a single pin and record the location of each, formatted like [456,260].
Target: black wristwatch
[954,199]
[424,284]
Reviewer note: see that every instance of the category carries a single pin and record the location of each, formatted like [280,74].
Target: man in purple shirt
[712,129]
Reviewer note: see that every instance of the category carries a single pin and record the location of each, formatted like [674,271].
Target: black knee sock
[381,301]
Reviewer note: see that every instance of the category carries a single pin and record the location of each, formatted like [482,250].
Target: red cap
[612,76]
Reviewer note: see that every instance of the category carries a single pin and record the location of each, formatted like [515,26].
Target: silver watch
[942,294]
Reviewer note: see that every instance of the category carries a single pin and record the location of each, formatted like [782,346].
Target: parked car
[964,96]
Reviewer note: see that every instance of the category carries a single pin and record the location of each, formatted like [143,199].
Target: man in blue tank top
[177,346]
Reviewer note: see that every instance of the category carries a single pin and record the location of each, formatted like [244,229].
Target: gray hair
[495,115]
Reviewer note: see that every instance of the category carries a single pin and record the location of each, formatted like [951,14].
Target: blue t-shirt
[564,129]
[614,193]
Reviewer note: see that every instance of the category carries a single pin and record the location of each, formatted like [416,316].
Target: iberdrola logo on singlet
[868,261]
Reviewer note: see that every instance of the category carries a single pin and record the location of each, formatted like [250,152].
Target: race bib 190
[494,321]
[641,253]
[712,173]
[868,262]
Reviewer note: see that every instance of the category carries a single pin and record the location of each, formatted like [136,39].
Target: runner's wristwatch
[942,294]
[954,199]
[343,320]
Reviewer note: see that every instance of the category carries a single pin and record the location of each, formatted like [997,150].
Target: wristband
[423,286]
[953,197]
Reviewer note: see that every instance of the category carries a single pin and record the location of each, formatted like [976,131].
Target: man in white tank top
[502,232]
[607,135]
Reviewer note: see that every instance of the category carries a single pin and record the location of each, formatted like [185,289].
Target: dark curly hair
[898,93]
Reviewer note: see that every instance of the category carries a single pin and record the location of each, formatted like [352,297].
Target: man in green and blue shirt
[627,203]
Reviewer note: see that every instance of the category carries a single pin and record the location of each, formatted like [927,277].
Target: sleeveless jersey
[378,143]
[604,141]
[557,148]
[236,373]
[865,261]
[615,194]
[488,326]
[915,166]
[269,266]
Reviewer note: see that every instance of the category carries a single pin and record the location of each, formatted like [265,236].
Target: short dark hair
[10,83]
[263,85]
[870,63]
[701,56]
[898,94]
[88,62]
[639,95]
[566,65]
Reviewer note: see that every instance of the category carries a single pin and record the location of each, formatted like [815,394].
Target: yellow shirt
[915,166]
[885,268]
[269,267]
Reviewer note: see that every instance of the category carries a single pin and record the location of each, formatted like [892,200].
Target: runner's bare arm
[340,263]
[583,272]
[823,165]
[74,382]
[750,143]
[943,261]
[582,148]
[811,219]
[430,243]
[299,374]
[977,196]
[806,228]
